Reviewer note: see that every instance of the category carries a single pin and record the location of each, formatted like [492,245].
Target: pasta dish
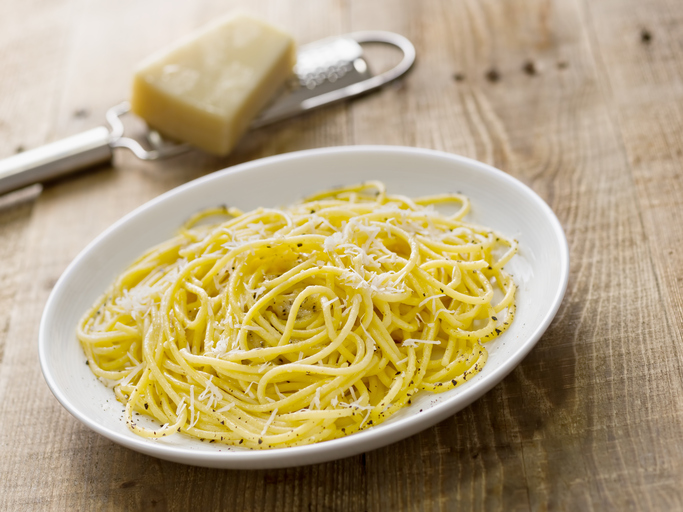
[284,327]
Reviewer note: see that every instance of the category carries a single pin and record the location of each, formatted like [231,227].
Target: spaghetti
[278,328]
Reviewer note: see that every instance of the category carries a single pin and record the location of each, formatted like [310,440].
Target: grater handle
[53,160]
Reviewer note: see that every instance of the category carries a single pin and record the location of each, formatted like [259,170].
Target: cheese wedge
[207,88]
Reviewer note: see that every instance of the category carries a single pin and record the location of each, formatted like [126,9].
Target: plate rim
[337,448]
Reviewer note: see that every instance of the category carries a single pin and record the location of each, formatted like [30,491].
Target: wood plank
[644,74]
[27,106]
[636,46]
[567,428]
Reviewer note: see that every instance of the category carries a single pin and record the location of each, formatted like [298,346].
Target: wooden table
[581,100]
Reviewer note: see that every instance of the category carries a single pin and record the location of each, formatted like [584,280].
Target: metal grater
[327,71]
[322,67]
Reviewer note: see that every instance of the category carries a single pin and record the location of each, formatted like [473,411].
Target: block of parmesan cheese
[207,88]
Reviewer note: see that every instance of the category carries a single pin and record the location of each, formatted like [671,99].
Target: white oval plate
[498,201]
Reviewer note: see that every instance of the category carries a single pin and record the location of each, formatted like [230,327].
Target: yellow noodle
[277,328]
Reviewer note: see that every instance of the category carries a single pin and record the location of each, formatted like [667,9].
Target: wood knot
[645,36]
[493,75]
[530,68]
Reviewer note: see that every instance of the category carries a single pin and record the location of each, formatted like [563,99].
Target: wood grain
[582,101]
